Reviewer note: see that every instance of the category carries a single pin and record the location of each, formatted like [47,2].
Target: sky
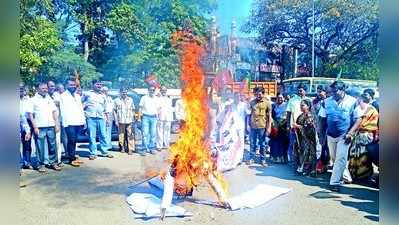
[232,9]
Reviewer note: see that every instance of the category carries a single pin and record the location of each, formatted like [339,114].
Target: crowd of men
[54,117]
[333,130]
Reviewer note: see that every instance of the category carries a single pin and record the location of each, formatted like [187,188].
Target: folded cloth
[257,196]
[149,205]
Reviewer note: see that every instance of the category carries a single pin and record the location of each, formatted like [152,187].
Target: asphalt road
[95,194]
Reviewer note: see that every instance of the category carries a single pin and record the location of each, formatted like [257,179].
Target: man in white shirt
[165,118]
[44,117]
[124,117]
[52,91]
[148,109]
[94,104]
[109,109]
[73,119]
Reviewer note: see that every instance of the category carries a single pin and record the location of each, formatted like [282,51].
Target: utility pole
[313,55]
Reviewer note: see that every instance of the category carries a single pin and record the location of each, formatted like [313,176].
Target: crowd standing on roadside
[57,114]
[333,131]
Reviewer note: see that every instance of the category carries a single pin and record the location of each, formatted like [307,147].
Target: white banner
[227,140]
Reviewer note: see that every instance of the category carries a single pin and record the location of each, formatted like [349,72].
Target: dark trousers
[257,137]
[64,139]
[72,134]
[26,149]
[279,145]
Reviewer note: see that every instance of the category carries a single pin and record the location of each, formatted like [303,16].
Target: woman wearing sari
[306,140]
[362,133]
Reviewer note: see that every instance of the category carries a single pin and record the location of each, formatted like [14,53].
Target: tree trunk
[85,41]
[85,49]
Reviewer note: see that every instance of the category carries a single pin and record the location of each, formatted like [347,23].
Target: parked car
[83,136]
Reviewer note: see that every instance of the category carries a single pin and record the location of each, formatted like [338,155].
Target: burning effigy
[190,161]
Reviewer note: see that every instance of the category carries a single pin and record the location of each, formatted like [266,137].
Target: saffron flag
[152,81]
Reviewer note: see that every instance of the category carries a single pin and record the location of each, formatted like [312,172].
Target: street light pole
[313,55]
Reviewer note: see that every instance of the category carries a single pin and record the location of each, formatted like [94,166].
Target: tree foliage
[66,63]
[345,31]
[123,40]
[39,39]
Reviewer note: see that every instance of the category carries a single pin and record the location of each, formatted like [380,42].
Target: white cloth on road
[257,196]
[150,206]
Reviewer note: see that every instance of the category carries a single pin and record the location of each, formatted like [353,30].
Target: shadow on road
[366,198]
[85,184]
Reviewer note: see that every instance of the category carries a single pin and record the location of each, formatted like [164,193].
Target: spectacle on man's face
[98,86]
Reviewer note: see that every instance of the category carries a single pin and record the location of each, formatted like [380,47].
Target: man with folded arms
[73,119]
[94,104]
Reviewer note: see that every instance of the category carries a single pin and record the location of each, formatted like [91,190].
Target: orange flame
[190,155]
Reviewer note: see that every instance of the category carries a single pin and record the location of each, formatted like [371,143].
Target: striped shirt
[124,109]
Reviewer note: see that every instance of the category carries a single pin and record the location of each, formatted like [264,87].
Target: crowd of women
[335,129]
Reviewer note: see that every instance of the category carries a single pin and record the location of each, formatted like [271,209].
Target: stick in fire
[172,184]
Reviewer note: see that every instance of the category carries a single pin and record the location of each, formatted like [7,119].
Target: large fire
[190,155]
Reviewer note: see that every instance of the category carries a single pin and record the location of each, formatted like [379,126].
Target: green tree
[345,30]
[39,38]
[141,47]
[125,40]
[64,64]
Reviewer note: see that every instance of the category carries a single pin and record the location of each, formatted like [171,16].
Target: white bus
[311,83]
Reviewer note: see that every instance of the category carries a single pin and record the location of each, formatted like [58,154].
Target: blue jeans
[93,125]
[108,134]
[257,137]
[46,156]
[149,128]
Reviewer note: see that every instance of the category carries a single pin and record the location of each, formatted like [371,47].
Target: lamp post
[313,55]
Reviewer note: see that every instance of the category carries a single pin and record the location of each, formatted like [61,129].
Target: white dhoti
[163,134]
